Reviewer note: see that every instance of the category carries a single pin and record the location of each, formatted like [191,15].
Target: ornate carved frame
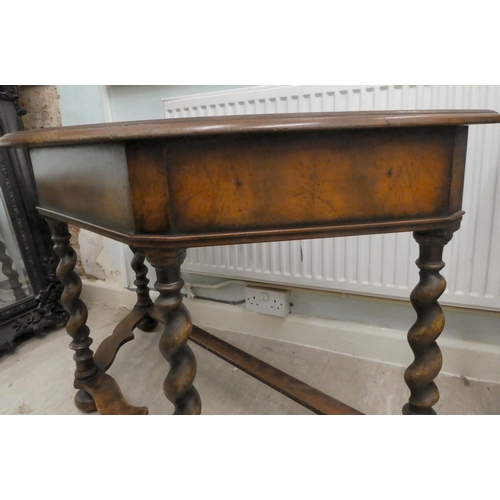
[41,312]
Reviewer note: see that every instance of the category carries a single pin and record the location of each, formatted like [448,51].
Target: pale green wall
[83,104]
[143,102]
[80,104]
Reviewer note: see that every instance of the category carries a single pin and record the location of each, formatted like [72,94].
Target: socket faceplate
[267,301]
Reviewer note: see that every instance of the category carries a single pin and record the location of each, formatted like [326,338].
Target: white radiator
[382,265]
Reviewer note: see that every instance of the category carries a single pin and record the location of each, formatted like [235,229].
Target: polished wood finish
[289,386]
[89,180]
[123,333]
[422,336]
[96,389]
[229,125]
[167,185]
[76,325]
[141,282]
[291,181]
[258,236]
[151,211]
[178,386]
[184,183]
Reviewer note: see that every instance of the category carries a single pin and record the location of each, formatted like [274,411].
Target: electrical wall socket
[267,301]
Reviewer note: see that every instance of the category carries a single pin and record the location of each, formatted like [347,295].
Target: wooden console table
[164,186]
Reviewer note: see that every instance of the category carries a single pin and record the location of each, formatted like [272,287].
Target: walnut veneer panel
[301,179]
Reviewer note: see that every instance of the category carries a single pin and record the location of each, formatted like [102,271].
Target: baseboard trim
[472,360]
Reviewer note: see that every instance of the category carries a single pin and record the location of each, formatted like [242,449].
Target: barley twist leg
[141,282]
[76,326]
[178,386]
[422,336]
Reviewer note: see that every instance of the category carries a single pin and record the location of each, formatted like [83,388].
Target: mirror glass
[14,282]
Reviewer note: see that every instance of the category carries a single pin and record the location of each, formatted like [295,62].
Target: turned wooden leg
[76,326]
[422,336]
[178,386]
[141,282]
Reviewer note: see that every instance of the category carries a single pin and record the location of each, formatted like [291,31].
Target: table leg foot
[147,323]
[85,402]
[422,336]
[108,397]
[178,386]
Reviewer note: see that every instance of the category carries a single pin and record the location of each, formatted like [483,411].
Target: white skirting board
[473,360]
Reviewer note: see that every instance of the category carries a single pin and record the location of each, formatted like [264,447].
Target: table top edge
[243,124]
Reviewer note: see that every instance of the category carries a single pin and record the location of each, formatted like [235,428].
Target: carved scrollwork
[12,95]
[49,312]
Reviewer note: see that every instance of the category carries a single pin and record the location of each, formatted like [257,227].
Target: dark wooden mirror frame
[40,312]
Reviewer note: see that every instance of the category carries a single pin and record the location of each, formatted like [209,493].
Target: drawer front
[301,180]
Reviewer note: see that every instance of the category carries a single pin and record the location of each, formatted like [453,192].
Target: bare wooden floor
[36,379]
